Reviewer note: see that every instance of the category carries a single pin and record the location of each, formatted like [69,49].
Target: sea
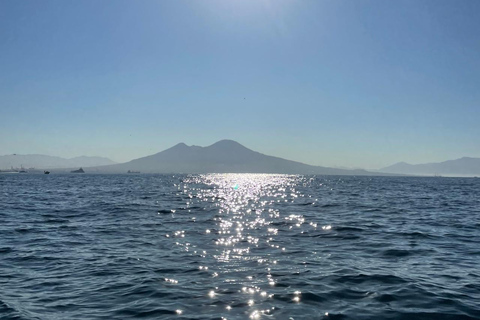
[238,246]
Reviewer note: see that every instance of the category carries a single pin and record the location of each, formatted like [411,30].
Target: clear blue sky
[337,83]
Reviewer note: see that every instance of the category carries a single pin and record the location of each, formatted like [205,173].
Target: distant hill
[225,156]
[39,161]
[460,167]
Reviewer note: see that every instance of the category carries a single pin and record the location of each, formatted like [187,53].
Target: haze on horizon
[332,83]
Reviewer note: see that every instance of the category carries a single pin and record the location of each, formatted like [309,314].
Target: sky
[341,83]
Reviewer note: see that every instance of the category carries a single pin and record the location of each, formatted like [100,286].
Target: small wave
[55,221]
[305,204]
[386,298]
[345,228]
[363,278]
[165,211]
[396,253]
[8,312]
[4,250]
[137,312]
[428,316]
[24,230]
[417,235]
[329,205]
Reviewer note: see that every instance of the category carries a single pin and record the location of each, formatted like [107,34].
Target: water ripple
[238,246]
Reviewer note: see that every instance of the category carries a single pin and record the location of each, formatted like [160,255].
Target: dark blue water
[238,247]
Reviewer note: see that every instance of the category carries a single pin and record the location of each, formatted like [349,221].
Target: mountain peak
[179,146]
[226,143]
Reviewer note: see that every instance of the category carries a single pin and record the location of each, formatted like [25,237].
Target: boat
[131,171]
[46,172]
[22,170]
[78,171]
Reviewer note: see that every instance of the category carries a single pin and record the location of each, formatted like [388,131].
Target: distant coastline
[226,156]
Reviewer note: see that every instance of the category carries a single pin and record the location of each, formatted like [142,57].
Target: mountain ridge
[224,156]
[464,166]
[41,161]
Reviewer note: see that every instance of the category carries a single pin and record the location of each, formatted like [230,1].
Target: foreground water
[238,247]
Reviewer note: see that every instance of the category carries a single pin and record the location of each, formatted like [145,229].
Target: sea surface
[238,246]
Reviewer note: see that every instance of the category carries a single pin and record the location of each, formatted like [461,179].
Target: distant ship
[131,171]
[46,172]
[22,170]
[78,171]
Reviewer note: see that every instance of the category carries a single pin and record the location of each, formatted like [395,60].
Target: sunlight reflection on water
[245,232]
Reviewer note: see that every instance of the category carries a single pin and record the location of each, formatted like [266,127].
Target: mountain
[225,156]
[40,161]
[460,167]
[84,161]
